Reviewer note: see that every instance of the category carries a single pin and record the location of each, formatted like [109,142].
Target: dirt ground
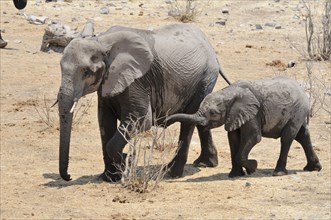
[31,187]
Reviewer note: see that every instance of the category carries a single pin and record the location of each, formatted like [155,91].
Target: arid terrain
[254,39]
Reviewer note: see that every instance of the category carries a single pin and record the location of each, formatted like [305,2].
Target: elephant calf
[270,108]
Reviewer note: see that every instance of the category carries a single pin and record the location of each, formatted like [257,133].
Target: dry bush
[147,157]
[183,10]
[48,114]
[318,32]
[318,90]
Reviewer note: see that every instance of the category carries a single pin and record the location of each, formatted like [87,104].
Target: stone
[104,10]
[278,26]
[291,64]
[222,23]
[225,11]
[38,20]
[270,24]
[258,27]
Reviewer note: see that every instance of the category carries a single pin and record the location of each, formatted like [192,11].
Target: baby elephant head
[232,106]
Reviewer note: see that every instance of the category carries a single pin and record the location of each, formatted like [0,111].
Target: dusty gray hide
[58,36]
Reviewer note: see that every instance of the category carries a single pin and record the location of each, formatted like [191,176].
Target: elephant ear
[129,58]
[244,106]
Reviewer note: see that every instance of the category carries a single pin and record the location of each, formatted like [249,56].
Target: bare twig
[142,170]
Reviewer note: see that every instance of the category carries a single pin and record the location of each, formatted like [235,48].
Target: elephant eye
[88,73]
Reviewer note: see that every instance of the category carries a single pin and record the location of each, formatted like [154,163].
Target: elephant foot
[236,172]
[175,169]
[110,177]
[250,166]
[280,172]
[211,161]
[313,166]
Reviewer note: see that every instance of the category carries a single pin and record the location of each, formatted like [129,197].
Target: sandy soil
[30,185]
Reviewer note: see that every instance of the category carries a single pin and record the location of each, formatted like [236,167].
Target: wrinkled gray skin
[140,74]
[273,108]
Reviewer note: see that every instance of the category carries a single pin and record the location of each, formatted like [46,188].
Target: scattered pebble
[278,27]
[104,10]
[38,20]
[270,24]
[248,184]
[223,23]
[258,27]
[291,64]
[225,11]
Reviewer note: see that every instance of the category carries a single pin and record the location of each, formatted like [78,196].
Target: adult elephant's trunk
[65,104]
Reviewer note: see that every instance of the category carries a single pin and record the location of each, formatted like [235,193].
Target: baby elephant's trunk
[186,118]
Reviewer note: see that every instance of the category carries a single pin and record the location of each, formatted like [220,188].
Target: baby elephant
[270,108]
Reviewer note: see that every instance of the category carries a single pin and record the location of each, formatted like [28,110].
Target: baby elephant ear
[129,58]
[244,107]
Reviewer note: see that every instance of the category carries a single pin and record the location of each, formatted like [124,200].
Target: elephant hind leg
[288,134]
[303,137]
[208,156]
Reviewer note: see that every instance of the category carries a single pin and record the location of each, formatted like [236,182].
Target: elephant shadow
[58,182]
[260,173]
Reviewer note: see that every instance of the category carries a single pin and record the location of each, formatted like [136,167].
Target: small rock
[17,41]
[272,215]
[38,20]
[223,23]
[270,24]
[248,184]
[278,27]
[111,5]
[104,10]
[168,1]
[258,27]
[291,64]
[225,11]
[174,12]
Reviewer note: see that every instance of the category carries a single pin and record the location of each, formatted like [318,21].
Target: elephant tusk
[55,103]
[73,107]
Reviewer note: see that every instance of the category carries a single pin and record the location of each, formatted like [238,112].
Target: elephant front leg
[208,156]
[234,142]
[114,150]
[250,135]
[176,166]
[108,128]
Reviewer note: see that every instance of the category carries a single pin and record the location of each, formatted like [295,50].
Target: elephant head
[232,106]
[108,63]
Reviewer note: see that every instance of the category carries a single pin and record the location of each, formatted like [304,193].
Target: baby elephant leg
[288,134]
[234,142]
[303,137]
[249,136]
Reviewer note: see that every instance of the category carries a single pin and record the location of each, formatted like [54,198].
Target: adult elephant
[140,73]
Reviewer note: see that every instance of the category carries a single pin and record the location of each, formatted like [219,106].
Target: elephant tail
[186,118]
[221,72]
